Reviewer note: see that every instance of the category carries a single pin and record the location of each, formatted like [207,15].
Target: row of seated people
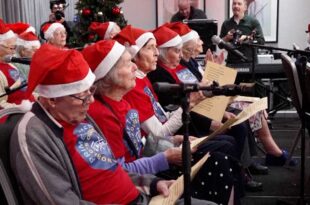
[70,158]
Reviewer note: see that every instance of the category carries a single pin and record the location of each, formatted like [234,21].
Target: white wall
[294,16]
[140,13]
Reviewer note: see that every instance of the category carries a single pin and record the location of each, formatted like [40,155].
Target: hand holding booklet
[177,188]
[214,107]
[256,106]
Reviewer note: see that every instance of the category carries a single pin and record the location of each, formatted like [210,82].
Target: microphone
[208,91]
[164,87]
[229,47]
[15,87]
[12,59]
[230,90]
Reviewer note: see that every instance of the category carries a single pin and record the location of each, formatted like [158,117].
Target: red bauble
[116,10]
[86,12]
[91,37]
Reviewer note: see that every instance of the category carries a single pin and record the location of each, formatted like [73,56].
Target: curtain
[34,12]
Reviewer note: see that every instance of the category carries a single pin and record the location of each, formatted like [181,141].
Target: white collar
[140,74]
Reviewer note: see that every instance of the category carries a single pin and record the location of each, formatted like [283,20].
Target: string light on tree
[86,12]
[116,10]
[94,11]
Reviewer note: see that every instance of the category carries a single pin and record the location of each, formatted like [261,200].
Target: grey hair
[19,48]
[111,78]
[163,51]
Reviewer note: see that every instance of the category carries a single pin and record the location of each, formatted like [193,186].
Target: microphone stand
[182,92]
[303,59]
[186,153]
[8,91]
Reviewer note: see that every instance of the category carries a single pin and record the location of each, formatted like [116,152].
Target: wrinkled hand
[228,115]
[219,59]
[177,139]
[195,98]
[163,187]
[192,138]
[174,155]
[215,125]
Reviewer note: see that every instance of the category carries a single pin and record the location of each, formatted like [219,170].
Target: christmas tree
[94,11]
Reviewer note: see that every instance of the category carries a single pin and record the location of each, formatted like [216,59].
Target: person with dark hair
[241,27]
[187,12]
[57,14]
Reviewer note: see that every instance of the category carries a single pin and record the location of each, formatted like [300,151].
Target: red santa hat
[58,72]
[134,37]
[20,27]
[28,40]
[166,37]
[102,56]
[49,28]
[5,32]
[308,31]
[103,30]
[183,30]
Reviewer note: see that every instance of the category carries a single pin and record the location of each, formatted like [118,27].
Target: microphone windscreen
[216,39]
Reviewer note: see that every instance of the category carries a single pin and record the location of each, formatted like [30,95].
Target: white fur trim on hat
[51,29]
[177,40]
[28,44]
[133,50]
[109,29]
[30,29]
[7,35]
[60,90]
[189,36]
[143,39]
[109,61]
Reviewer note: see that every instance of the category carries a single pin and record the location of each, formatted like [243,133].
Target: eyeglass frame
[87,98]
[7,47]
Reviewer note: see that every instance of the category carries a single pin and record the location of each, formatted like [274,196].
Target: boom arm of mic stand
[302,52]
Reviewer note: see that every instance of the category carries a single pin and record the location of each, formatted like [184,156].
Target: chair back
[9,192]
[293,81]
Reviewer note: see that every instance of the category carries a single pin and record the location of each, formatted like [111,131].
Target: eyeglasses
[12,48]
[189,50]
[87,98]
[58,33]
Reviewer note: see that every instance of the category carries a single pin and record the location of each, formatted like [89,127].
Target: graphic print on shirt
[15,74]
[94,148]
[133,131]
[157,110]
[186,76]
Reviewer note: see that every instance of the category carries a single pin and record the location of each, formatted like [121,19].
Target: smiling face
[239,7]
